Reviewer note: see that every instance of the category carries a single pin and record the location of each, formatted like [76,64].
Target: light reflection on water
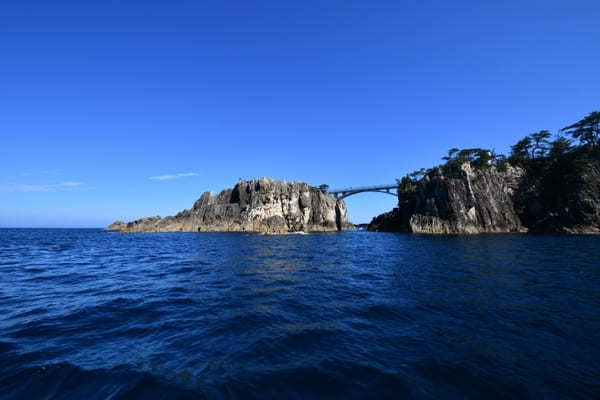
[325,315]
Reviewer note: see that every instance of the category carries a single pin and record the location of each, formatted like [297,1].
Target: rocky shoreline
[260,205]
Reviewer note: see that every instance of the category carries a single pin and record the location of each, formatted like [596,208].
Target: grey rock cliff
[490,200]
[260,205]
[472,201]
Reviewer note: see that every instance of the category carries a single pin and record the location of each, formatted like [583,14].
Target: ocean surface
[88,314]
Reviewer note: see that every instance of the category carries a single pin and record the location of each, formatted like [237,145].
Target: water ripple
[93,314]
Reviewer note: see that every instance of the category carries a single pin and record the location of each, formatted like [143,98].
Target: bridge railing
[364,188]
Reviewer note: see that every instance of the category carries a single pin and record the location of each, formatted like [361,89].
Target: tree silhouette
[587,130]
[540,143]
[418,174]
[451,154]
[559,147]
[521,150]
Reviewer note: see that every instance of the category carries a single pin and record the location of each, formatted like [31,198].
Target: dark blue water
[92,314]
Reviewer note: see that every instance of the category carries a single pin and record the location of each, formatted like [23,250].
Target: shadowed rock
[490,200]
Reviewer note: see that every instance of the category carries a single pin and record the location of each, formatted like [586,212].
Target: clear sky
[97,98]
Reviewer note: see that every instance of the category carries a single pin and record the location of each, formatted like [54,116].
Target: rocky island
[544,186]
[260,205]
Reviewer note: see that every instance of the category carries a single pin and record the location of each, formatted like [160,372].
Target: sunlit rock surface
[473,201]
[261,205]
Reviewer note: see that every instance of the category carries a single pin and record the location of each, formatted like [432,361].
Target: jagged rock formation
[492,200]
[264,205]
[474,201]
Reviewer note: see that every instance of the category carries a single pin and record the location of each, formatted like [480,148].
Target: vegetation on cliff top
[554,164]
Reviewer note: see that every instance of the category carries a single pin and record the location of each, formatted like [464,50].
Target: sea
[91,314]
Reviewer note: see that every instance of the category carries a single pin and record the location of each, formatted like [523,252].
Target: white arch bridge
[391,189]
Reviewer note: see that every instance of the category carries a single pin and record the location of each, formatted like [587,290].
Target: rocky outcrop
[493,200]
[567,205]
[470,201]
[116,226]
[261,205]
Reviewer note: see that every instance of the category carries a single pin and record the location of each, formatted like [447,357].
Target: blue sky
[99,98]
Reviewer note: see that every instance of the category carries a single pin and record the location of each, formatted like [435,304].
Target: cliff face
[472,201]
[490,200]
[567,205]
[265,205]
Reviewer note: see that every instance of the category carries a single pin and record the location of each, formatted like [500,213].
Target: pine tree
[587,130]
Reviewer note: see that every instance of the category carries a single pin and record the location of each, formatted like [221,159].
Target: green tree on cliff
[540,142]
[560,147]
[418,174]
[451,153]
[587,130]
[520,151]
[406,184]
